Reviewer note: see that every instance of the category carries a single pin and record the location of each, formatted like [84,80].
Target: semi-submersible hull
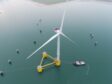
[25,25]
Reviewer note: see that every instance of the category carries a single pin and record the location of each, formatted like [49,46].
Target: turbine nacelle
[57,30]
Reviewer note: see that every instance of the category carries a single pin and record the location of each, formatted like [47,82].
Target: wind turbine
[58,34]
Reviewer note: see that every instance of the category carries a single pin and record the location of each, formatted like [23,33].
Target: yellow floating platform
[45,55]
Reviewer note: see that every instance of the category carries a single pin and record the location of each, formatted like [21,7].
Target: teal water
[20,26]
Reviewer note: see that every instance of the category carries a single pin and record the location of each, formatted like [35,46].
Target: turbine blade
[62,22]
[53,37]
[69,38]
[63,17]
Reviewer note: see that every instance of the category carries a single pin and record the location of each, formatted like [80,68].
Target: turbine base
[57,63]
